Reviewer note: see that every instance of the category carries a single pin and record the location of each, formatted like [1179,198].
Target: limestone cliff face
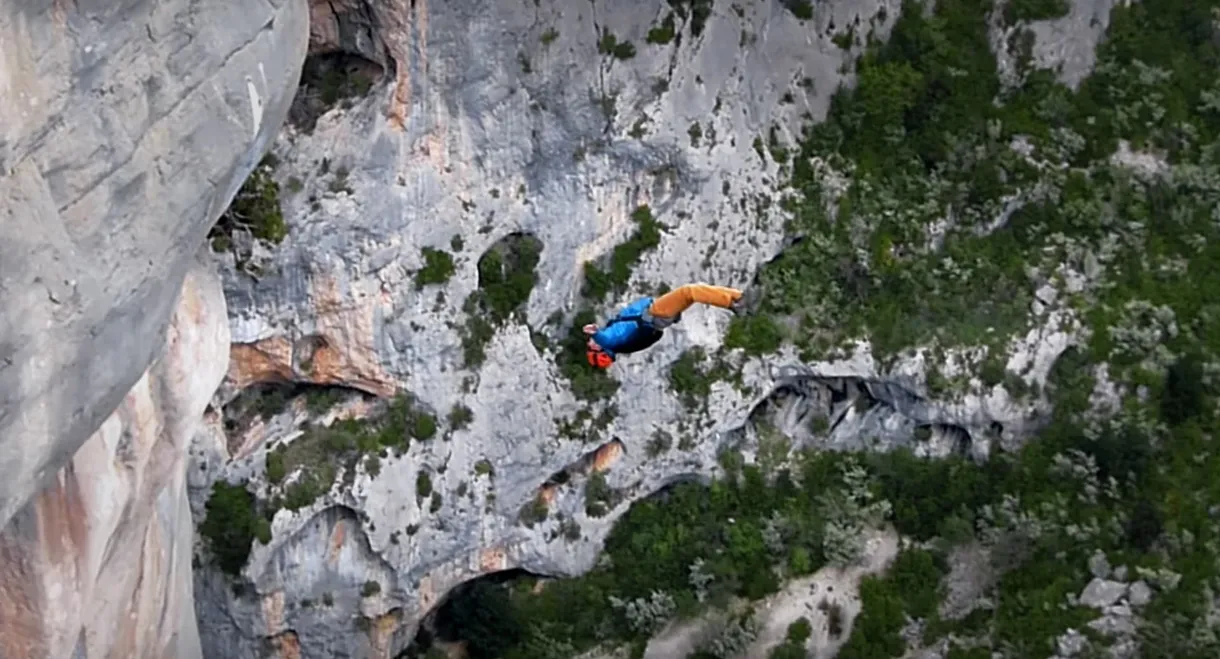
[491,120]
[127,129]
[98,564]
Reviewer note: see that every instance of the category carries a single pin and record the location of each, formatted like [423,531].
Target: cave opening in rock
[508,271]
[266,399]
[329,80]
[479,615]
[956,437]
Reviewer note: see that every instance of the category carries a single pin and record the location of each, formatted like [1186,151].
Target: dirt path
[816,596]
[813,597]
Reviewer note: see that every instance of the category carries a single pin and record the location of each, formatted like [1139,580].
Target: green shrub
[609,45]
[460,416]
[320,451]
[756,335]
[231,524]
[437,269]
[1034,10]
[691,379]
[370,588]
[423,485]
[647,235]
[599,496]
[274,463]
[663,33]
[800,630]
[535,511]
[909,587]
[423,426]
[255,210]
[507,275]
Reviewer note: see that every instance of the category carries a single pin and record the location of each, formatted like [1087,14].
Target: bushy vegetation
[691,377]
[437,269]
[230,525]
[612,278]
[313,460]
[663,33]
[696,12]
[508,272]
[610,45]
[675,555]
[926,134]
[254,214]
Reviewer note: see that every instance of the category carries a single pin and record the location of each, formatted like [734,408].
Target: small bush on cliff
[460,416]
[423,485]
[255,210]
[601,282]
[437,269]
[231,523]
[610,45]
[508,271]
[691,379]
[316,456]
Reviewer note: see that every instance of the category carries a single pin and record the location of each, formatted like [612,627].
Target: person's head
[597,357]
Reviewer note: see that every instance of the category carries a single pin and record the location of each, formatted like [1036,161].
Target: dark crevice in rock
[957,437]
[268,399]
[844,412]
[329,80]
[597,460]
[477,613]
[607,452]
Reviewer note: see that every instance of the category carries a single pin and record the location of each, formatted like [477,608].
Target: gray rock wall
[99,563]
[127,128]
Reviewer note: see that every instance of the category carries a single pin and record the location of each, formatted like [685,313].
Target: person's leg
[670,305]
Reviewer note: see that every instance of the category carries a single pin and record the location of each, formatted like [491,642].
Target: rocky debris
[126,134]
[971,576]
[1139,594]
[1116,602]
[99,563]
[1071,643]
[1099,565]
[1067,44]
[1101,593]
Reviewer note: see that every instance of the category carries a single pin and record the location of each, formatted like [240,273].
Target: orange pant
[669,306]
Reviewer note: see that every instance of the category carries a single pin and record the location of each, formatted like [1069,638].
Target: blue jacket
[628,332]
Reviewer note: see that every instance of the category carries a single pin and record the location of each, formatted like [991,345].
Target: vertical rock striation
[98,564]
[127,129]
